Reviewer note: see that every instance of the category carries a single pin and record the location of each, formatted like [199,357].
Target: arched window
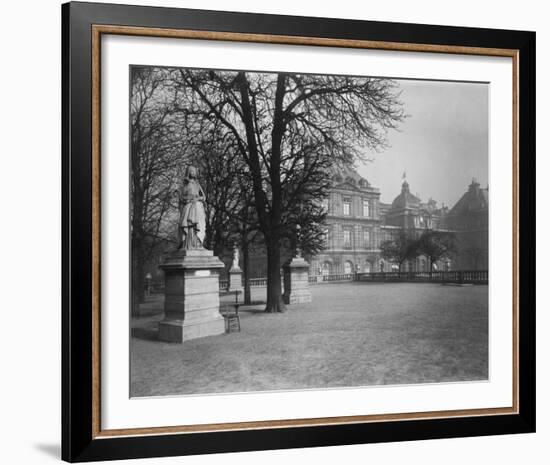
[325,268]
[348,267]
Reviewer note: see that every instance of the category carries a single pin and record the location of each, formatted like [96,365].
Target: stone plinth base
[179,331]
[235,280]
[191,301]
[296,274]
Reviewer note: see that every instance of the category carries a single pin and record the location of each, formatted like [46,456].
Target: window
[423,266]
[347,239]
[325,269]
[326,237]
[347,206]
[366,238]
[366,208]
[348,267]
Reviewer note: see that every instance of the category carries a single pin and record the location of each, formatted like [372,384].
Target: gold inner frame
[97,32]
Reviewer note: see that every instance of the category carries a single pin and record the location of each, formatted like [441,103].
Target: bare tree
[287,129]
[399,249]
[436,245]
[475,255]
[220,169]
[156,152]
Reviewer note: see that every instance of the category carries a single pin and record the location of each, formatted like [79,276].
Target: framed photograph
[289,232]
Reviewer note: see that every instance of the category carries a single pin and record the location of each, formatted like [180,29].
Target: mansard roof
[347,175]
[474,199]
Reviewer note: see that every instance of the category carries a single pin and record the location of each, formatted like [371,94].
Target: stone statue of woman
[235,257]
[192,219]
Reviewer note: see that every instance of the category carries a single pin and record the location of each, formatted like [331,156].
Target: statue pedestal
[235,279]
[192,302]
[296,273]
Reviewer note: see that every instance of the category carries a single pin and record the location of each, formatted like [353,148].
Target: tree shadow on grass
[256,306]
[147,334]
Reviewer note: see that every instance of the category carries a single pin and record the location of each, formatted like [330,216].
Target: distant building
[354,227]
[357,223]
[469,219]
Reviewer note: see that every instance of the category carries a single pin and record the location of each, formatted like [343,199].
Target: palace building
[358,222]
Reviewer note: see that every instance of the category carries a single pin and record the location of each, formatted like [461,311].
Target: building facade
[469,219]
[358,222]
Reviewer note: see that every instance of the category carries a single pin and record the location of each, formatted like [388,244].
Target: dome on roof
[405,199]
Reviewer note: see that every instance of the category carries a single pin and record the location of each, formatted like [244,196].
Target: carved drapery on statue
[235,257]
[192,218]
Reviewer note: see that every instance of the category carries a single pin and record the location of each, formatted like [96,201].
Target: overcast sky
[442,145]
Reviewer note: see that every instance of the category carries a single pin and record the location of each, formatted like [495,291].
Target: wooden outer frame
[83,26]
[97,32]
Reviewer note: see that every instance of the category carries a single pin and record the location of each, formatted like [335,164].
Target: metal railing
[329,278]
[458,277]
[254,282]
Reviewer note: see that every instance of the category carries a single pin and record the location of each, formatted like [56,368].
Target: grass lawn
[351,334]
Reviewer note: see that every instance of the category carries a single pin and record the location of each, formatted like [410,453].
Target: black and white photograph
[302,231]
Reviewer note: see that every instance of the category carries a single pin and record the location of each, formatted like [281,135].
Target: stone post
[192,302]
[296,273]
[235,274]
[235,280]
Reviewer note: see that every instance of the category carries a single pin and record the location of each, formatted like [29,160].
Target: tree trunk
[246,273]
[138,275]
[275,302]
[138,278]
[274,295]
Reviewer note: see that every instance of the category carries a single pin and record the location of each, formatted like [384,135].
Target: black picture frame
[79,441]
